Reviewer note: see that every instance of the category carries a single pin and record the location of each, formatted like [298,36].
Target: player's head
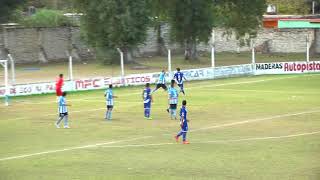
[178,69]
[110,86]
[147,85]
[184,103]
[163,70]
[61,75]
[64,94]
[172,83]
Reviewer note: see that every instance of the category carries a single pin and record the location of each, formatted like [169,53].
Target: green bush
[291,6]
[46,18]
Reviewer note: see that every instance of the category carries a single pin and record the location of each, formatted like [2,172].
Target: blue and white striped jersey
[178,76]
[62,105]
[162,78]
[109,97]
[173,95]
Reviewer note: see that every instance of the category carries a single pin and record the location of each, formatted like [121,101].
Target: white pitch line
[256,120]
[218,141]
[259,91]
[262,138]
[217,126]
[72,148]
[246,82]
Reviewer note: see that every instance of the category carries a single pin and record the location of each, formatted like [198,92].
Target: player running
[161,81]
[63,111]
[109,101]
[183,123]
[179,76]
[173,100]
[147,100]
[59,84]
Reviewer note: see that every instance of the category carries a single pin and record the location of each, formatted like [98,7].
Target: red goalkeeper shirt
[59,83]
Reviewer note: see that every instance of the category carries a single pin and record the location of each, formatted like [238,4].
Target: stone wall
[28,45]
[267,40]
[55,42]
[316,45]
[22,43]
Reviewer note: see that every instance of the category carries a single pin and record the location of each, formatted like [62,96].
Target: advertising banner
[190,74]
[287,67]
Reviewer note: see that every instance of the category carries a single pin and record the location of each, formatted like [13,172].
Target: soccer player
[59,84]
[183,123]
[63,111]
[147,99]
[161,81]
[109,100]
[173,100]
[179,76]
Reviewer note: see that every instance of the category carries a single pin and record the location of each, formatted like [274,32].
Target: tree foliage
[111,24]
[291,6]
[159,18]
[46,18]
[241,16]
[192,20]
[51,4]
[7,7]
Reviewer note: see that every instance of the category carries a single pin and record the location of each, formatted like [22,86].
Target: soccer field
[261,127]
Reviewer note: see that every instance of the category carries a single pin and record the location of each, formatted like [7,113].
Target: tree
[7,7]
[158,18]
[192,20]
[191,23]
[111,24]
[242,17]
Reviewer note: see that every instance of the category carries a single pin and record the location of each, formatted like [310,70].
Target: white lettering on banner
[287,67]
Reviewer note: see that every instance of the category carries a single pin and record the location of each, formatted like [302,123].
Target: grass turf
[225,118]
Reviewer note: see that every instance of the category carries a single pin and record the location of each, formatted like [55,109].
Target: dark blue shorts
[147,105]
[181,86]
[184,128]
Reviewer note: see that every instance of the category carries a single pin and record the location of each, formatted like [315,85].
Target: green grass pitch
[263,127]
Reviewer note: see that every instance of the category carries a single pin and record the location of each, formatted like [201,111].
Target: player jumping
[109,101]
[179,76]
[147,100]
[63,111]
[161,81]
[183,123]
[173,100]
